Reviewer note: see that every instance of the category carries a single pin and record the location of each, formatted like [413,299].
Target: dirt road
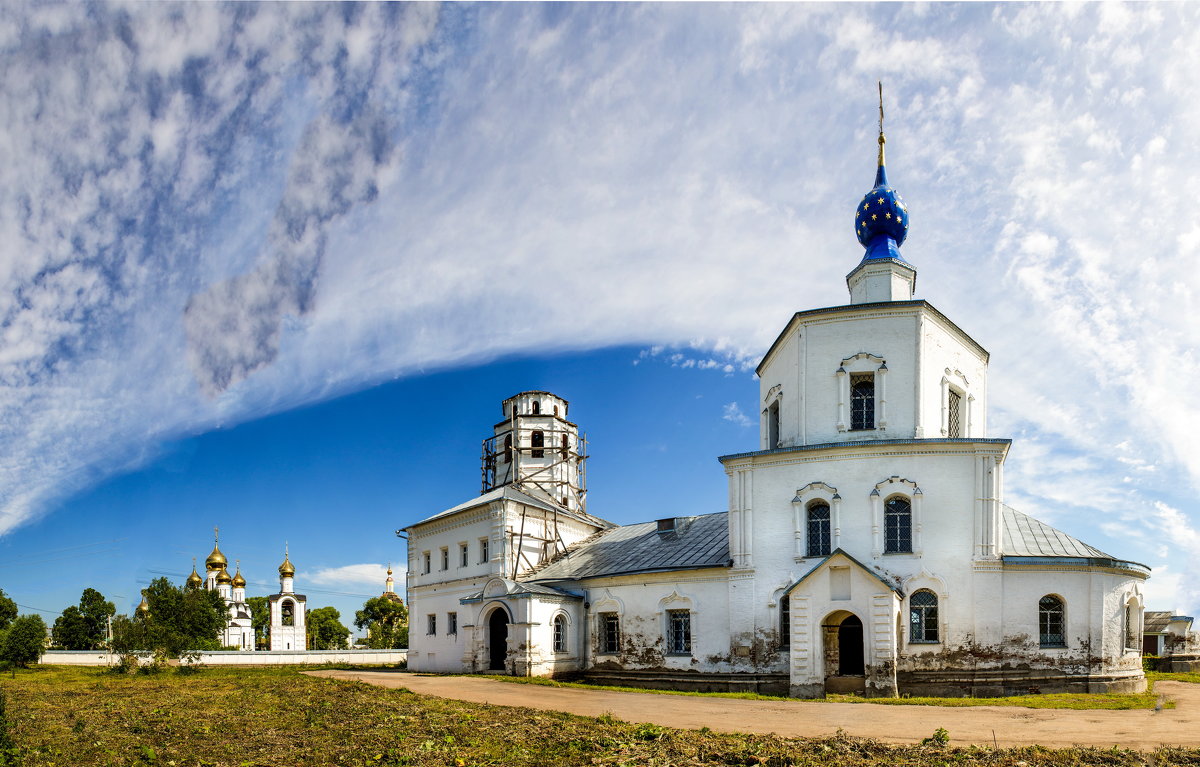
[1143,730]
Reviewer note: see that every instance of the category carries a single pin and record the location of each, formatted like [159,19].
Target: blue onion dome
[881,219]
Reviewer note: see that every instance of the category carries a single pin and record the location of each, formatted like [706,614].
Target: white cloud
[733,413]
[356,575]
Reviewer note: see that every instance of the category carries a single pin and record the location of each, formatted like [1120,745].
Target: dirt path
[1143,730]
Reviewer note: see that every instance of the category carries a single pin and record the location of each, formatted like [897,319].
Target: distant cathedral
[288,609]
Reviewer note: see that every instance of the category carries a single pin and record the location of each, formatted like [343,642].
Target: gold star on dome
[873,216]
[880,200]
[865,204]
[887,215]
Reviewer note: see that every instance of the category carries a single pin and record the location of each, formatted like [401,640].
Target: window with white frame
[923,617]
[897,526]
[773,425]
[819,535]
[483,550]
[1051,622]
[431,627]
[610,632]
[954,419]
[445,558]
[862,401]
[1133,627]
[452,623]
[679,632]
[464,555]
[427,563]
[560,633]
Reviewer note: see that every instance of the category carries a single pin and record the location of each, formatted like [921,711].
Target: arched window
[1051,615]
[1133,628]
[564,447]
[923,617]
[287,614]
[897,526]
[818,529]
[536,408]
[507,448]
[785,620]
[954,417]
[862,401]
[538,441]
[560,633]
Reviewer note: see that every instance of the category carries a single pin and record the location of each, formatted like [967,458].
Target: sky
[273,267]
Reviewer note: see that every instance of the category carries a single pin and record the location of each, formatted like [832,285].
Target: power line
[38,609]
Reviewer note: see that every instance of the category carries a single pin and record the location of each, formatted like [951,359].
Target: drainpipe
[584,639]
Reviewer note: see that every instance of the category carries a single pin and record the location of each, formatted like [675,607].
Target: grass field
[277,717]
[1110,701]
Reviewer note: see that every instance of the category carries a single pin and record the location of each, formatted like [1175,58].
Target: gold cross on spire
[882,140]
[216,534]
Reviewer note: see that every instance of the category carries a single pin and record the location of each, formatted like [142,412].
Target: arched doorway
[844,651]
[850,647]
[497,639]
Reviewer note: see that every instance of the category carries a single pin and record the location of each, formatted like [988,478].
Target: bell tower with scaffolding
[536,449]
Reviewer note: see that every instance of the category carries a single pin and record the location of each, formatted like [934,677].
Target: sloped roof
[697,542]
[513,494]
[840,552]
[1025,536]
[1155,622]
[523,590]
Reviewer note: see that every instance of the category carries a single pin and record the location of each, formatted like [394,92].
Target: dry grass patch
[276,717]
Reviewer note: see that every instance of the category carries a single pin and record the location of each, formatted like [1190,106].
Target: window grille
[452,623]
[819,541]
[1131,627]
[1050,622]
[862,401]
[954,417]
[897,526]
[679,632]
[923,617]
[560,634]
[610,633]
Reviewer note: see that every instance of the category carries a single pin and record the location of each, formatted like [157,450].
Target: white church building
[866,545]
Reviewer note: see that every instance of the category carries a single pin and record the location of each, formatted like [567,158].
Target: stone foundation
[992,684]
[691,681]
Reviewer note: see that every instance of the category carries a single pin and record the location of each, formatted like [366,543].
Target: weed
[939,738]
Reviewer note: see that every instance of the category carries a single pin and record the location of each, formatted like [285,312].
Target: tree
[8,610]
[260,619]
[178,620]
[325,629]
[24,641]
[84,627]
[386,622]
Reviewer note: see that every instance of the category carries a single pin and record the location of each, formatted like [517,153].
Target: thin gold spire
[882,140]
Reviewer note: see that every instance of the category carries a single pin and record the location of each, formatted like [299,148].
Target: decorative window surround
[816,491]
[956,381]
[886,489]
[861,363]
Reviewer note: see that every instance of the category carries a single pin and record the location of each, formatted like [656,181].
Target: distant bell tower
[289,611]
[536,449]
[881,223]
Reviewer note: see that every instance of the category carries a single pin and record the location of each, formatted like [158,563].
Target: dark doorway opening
[498,639]
[850,647]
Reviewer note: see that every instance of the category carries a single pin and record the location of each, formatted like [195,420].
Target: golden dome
[194,579]
[287,569]
[223,576]
[238,581]
[144,607]
[216,560]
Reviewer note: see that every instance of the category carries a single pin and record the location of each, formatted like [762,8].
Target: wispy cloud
[213,212]
[356,575]
[733,413]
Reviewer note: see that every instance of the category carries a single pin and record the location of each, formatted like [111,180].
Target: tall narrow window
[445,559]
[923,617]
[1132,627]
[507,447]
[954,415]
[464,555]
[431,627]
[538,441]
[818,529]
[610,633]
[679,632]
[785,620]
[897,527]
[773,425]
[560,634]
[452,623]
[862,401]
[1050,622]
[427,566]
[536,408]
[564,447]
[483,550]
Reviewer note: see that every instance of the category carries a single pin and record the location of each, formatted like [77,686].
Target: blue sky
[273,267]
